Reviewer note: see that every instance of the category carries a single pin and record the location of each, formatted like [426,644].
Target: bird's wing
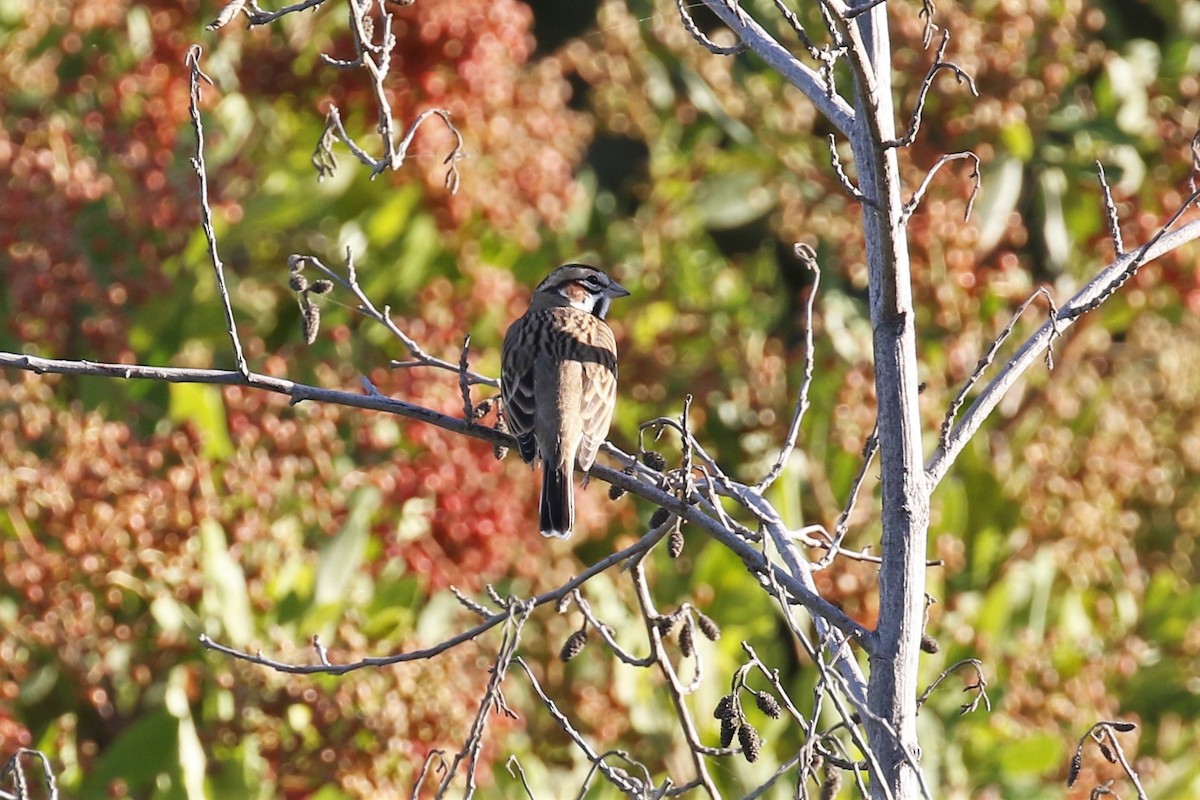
[517,387]
[598,394]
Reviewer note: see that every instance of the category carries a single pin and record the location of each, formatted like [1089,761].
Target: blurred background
[135,516]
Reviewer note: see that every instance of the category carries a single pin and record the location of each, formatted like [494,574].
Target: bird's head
[579,286]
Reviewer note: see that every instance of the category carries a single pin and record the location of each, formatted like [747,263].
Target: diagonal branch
[1089,297]
[815,86]
[986,360]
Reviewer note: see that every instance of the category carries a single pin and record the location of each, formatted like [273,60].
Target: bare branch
[836,162]
[256,15]
[434,755]
[464,384]
[1195,163]
[384,317]
[618,777]
[857,11]
[515,617]
[1089,297]
[14,769]
[193,62]
[990,356]
[793,21]
[979,687]
[1112,750]
[814,84]
[552,596]
[606,632]
[708,44]
[842,526]
[1110,208]
[928,10]
[919,194]
[519,774]
[914,123]
[675,689]
[808,257]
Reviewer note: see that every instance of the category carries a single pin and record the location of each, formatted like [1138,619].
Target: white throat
[584,301]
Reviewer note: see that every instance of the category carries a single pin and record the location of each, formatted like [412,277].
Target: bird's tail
[558,502]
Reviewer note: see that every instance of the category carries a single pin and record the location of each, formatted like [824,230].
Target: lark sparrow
[559,383]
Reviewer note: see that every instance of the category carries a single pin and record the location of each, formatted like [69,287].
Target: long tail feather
[558,502]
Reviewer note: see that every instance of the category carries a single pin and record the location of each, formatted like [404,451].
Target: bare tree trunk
[892,687]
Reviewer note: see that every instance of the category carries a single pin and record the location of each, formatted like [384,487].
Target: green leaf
[1034,754]
[203,406]
[225,594]
[341,558]
[146,749]
[193,763]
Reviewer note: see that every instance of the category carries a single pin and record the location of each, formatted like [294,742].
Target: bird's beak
[616,290]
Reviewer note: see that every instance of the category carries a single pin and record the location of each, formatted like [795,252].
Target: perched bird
[559,383]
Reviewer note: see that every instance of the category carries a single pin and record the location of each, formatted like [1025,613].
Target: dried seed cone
[297,282]
[574,645]
[929,644]
[654,460]
[768,705]
[687,644]
[311,325]
[615,492]
[321,287]
[729,726]
[675,543]
[724,708]
[1076,765]
[658,517]
[709,628]
[751,744]
[832,784]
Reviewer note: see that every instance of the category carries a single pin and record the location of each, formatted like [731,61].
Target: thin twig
[856,11]
[914,123]
[836,161]
[817,85]
[420,358]
[986,360]
[690,26]
[14,768]
[606,632]
[1114,753]
[256,15]
[1089,297]
[618,777]
[808,257]
[1110,208]
[430,757]
[490,622]
[464,383]
[842,526]
[516,615]
[675,689]
[979,687]
[520,775]
[975,175]
[797,27]
[193,62]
